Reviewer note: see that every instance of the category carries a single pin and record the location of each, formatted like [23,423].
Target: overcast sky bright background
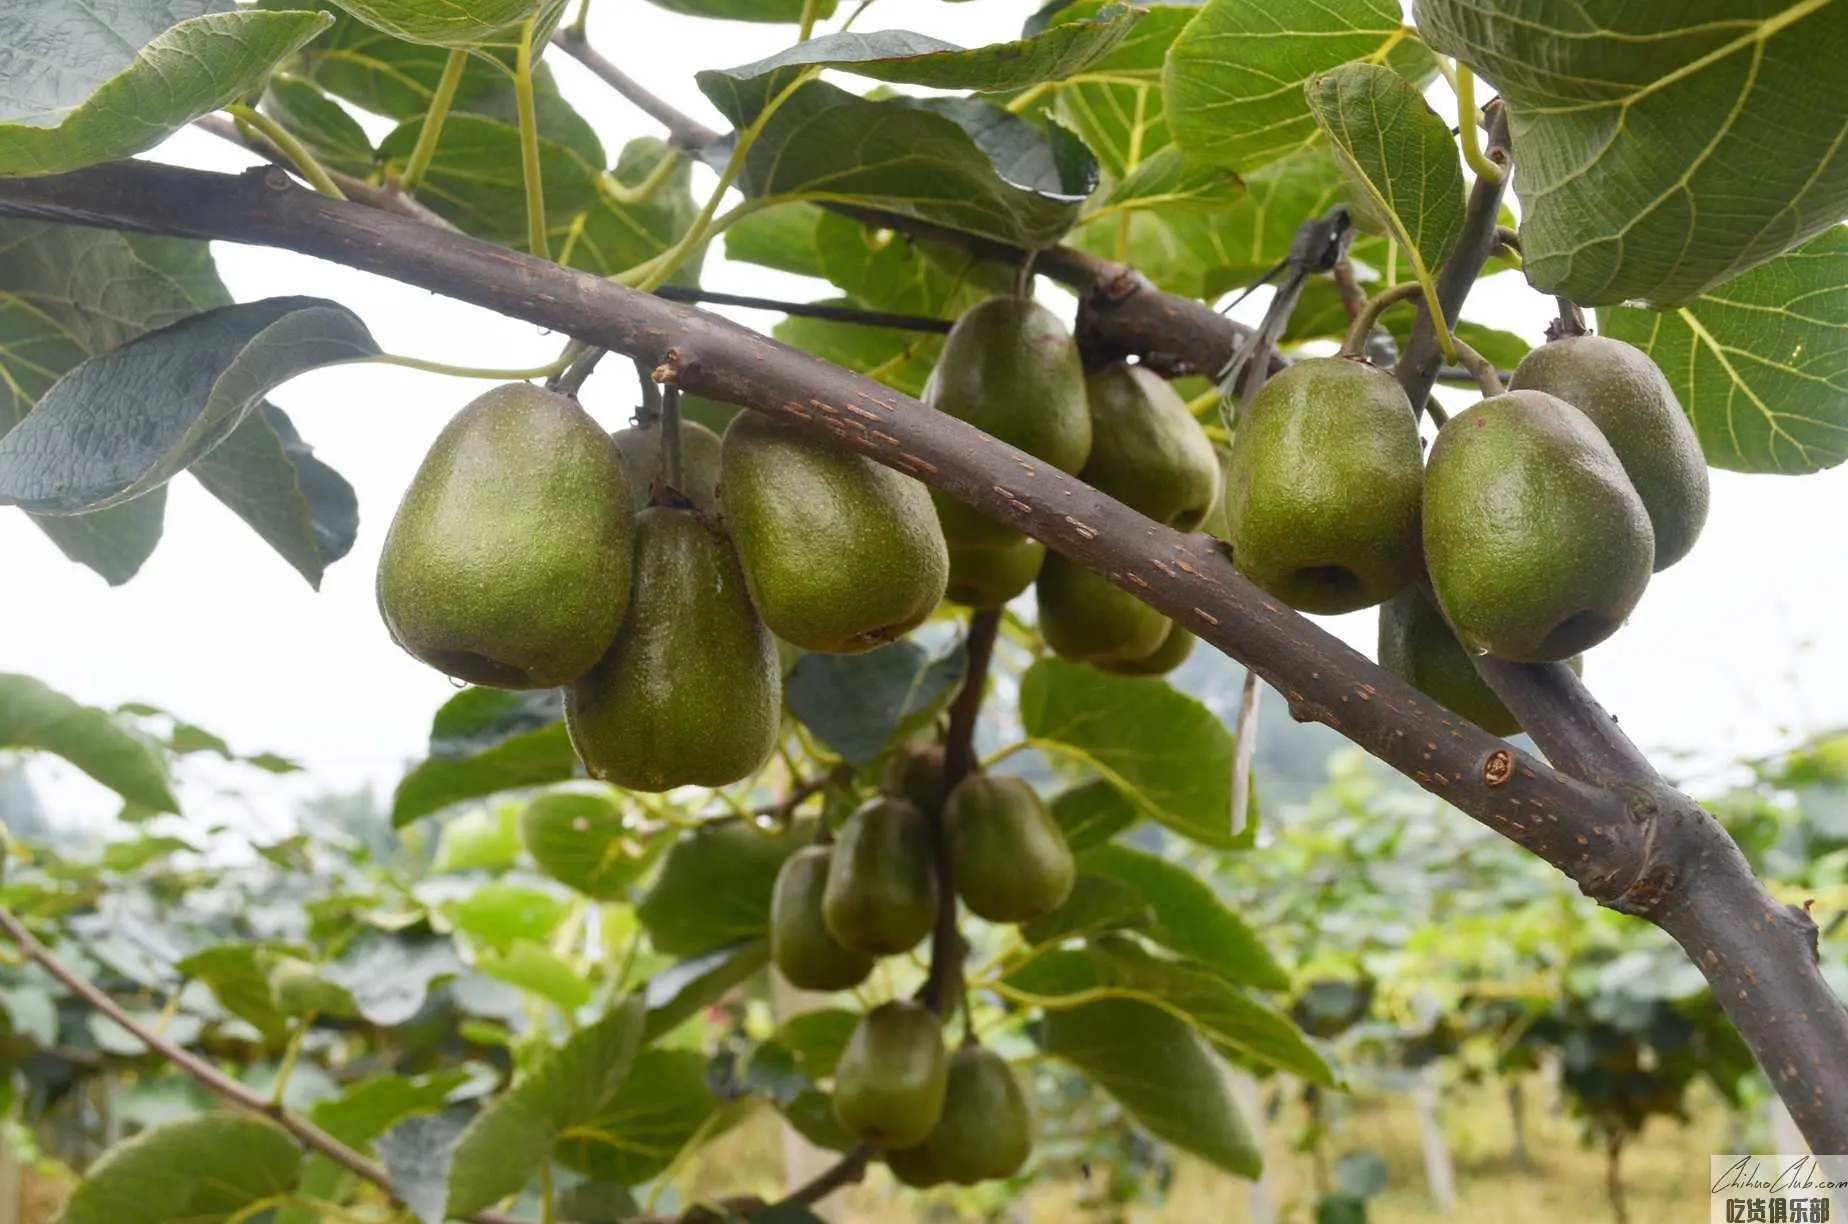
[1736,651]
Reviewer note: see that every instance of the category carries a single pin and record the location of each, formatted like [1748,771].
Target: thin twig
[209,1077]
[355,189]
[846,1171]
[685,131]
[808,310]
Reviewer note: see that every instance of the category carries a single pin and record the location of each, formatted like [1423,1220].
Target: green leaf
[238,976]
[1232,1020]
[905,58]
[1160,1071]
[1399,158]
[387,75]
[1092,813]
[611,237]
[902,359]
[389,976]
[1117,107]
[859,704]
[581,841]
[366,1110]
[715,884]
[204,1169]
[1760,364]
[81,84]
[678,992]
[131,419]
[1235,77]
[746,10]
[480,839]
[537,970]
[502,915]
[442,23]
[1172,181]
[781,236]
[1189,918]
[319,122]
[663,1105]
[1664,148]
[1166,752]
[475,180]
[958,162]
[35,716]
[507,1141]
[1097,903]
[418,1154]
[815,1039]
[485,741]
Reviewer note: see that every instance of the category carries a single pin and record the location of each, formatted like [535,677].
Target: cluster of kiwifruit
[1540,513]
[1011,369]
[534,550]
[873,891]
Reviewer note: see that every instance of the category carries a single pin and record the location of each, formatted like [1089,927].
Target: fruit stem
[811,9]
[649,410]
[1355,345]
[579,25]
[425,151]
[568,380]
[1469,122]
[529,143]
[1487,376]
[1571,320]
[670,436]
[293,149]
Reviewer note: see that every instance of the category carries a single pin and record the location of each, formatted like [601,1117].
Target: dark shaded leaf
[484,741]
[715,885]
[859,704]
[675,994]
[205,1169]
[1189,918]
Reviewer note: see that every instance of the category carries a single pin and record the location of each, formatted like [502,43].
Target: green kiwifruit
[800,946]
[1537,543]
[890,1081]
[640,448]
[1010,369]
[1628,399]
[507,563]
[1172,652]
[842,554]
[1323,487]
[1147,451]
[990,577]
[915,772]
[882,888]
[1418,647]
[985,1132]
[1086,618]
[1009,859]
[689,693]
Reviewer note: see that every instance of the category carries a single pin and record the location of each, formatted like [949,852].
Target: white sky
[1734,651]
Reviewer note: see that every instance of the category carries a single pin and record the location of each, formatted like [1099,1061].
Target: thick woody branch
[1588,832]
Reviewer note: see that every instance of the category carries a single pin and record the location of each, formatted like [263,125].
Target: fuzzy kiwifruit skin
[990,577]
[1627,397]
[1323,487]
[1418,647]
[985,1132]
[881,897]
[1147,451]
[507,562]
[1009,859]
[690,693]
[890,1081]
[842,554]
[800,945]
[1010,369]
[1086,618]
[1172,652]
[640,447]
[1537,543]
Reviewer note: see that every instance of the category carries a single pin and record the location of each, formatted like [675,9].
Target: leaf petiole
[293,149]
[529,144]
[425,150]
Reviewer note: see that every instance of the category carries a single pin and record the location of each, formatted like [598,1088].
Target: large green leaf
[364,1111]
[507,1142]
[238,976]
[746,10]
[501,915]
[387,75]
[1761,363]
[87,83]
[206,1169]
[444,23]
[1117,107]
[319,122]
[1166,752]
[715,884]
[537,970]
[613,236]
[1234,79]
[958,162]
[676,993]
[1173,182]
[860,704]
[901,360]
[1096,903]
[1399,157]
[1159,1070]
[35,716]
[1092,813]
[1662,148]
[583,842]
[918,59]
[663,1105]
[476,183]
[131,419]
[484,741]
[1189,917]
